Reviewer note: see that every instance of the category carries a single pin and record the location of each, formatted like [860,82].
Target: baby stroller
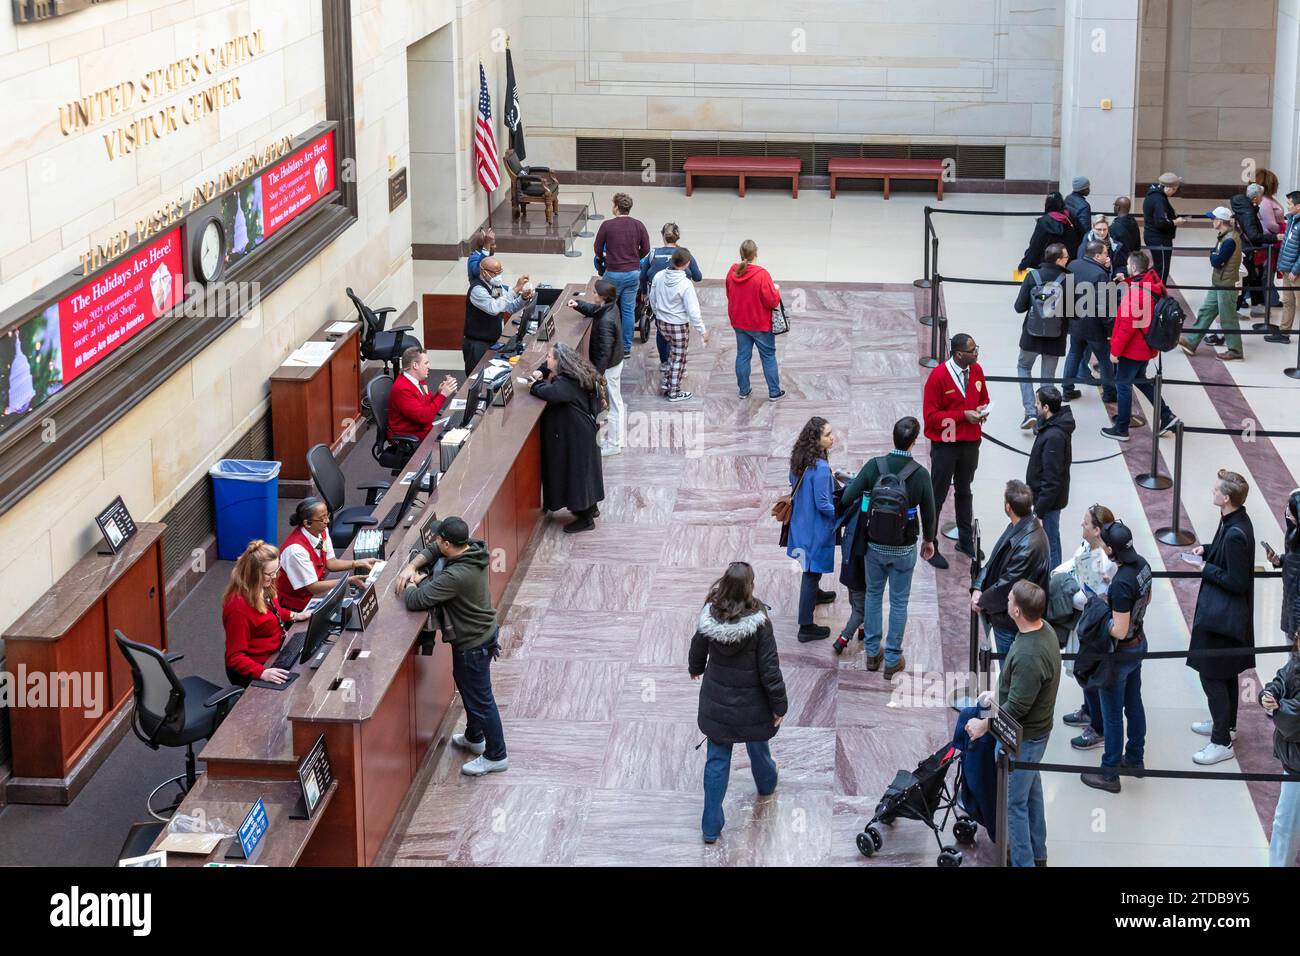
[922,794]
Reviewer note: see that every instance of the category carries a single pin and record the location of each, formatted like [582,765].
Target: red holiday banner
[297,183]
[107,312]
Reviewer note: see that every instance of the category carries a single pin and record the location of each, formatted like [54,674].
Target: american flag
[485,144]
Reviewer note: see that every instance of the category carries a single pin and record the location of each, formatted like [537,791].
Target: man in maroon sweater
[955,403]
[621,244]
[412,408]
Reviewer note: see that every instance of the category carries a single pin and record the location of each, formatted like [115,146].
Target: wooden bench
[742,166]
[886,169]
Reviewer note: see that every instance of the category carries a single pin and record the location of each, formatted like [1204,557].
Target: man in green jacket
[1027,689]
[457,586]
[884,549]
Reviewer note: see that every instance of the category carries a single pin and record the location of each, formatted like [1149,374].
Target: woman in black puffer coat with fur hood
[742,696]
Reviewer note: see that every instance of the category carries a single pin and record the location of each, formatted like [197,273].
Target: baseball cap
[1223,213]
[1119,539]
[453,530]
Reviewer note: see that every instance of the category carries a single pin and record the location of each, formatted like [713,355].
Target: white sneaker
[464,743]
[608,450]
[1206,727]
[481,765]
[1211,753]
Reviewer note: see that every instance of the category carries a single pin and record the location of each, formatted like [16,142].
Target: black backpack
[1166,324]
[887,518]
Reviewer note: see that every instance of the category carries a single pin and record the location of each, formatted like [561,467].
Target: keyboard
[291,652]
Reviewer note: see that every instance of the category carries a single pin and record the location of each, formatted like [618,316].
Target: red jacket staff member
[955,404]
[412,408]
[253,619]
[308,555]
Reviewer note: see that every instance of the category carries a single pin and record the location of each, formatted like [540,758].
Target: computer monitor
[472,400]
[395,516]
[322,620]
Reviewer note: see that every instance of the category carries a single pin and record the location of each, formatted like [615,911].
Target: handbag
[783,510]
[780,321]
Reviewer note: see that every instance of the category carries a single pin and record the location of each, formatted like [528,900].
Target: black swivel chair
[391,451]
[329,481]
[171,711]
[377,343]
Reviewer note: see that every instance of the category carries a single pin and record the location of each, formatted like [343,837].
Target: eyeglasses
[973,350]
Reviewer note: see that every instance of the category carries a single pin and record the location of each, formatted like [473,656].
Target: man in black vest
[485,303]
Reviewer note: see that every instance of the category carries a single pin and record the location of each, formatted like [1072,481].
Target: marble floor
[597,705]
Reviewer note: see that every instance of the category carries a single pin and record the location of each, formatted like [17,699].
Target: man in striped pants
[676,307]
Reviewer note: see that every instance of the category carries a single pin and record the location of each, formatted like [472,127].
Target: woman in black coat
[571,472]
[1054,225]
[1225,616]
[742,697]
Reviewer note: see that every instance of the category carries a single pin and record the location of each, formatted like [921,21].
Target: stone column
[1100,63]
[1285,153]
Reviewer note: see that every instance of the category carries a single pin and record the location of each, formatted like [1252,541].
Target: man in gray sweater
[457,587]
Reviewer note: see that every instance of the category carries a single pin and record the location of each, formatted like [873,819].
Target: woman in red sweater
[252,617]
[751,297]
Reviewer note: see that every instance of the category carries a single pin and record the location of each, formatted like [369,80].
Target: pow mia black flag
[513,119]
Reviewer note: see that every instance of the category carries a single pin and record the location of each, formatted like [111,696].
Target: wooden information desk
[314,405]
[69,632]
[377,700]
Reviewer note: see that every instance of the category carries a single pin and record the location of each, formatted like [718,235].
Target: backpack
[1166,324]
[888,506]
[1046,308]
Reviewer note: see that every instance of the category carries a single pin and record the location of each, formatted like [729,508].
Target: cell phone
[1268,549]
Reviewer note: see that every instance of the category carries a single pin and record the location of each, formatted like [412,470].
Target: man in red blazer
[412,408]
[955,404]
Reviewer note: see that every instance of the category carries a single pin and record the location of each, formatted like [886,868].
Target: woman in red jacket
[751,297]
[1128,344]
[253,619]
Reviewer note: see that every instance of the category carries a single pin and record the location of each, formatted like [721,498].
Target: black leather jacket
[1247,215]
[605,344]
[1021,554]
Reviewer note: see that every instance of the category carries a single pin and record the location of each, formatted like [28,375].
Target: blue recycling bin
[245,494]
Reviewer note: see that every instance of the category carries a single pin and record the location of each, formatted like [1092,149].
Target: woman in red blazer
[751,297]
[253,619]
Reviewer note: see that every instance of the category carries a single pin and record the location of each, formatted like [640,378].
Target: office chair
[377,343]
[329,481]
[171,712]
[390,451]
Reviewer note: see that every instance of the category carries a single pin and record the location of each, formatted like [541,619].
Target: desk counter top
[259,728]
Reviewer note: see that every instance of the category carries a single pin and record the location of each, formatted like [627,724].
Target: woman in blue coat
[812,521]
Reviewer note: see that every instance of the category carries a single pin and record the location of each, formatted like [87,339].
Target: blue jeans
[1025,371]
[1002,639]
[1092,702]
[1052,526]
[717,771]
[766,342]
[1026,814]
[1123,698]
[472,672]
[1076,362]
[661,344]
[809,585]
[898,570]
[1286,826]
[626,284]
[1126,372]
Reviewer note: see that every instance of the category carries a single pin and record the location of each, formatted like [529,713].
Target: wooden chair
[531,184]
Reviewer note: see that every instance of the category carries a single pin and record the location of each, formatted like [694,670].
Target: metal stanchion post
[925,242]
[1267,280]
[1175,534]
[571,252]
[934,282]
[1004,780]
[594,216]
[1152,479]
[936,321]
[1294,371]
